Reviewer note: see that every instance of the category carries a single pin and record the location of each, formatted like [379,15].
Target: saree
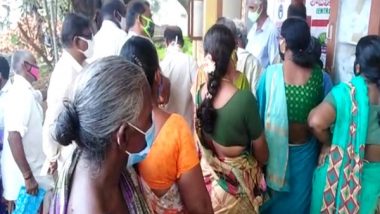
[133,197]
[290,168]
[235,185]
[345,183]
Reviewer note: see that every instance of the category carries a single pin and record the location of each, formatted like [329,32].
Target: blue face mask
[134,158]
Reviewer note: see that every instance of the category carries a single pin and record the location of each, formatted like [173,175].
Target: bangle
[28,176]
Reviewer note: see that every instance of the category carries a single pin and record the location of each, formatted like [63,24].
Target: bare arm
[194,193]
[17,149]
[260,149]
[320,120]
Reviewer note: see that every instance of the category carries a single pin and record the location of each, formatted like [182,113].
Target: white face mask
[90,48]
[123,23]
[253,16]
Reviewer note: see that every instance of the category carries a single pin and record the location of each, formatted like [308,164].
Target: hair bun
[67,125]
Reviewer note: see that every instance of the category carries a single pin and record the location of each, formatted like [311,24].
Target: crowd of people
[256,127]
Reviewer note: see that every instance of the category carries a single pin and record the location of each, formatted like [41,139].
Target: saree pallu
[169,203]
[301,164]
[235,185]
[343,181]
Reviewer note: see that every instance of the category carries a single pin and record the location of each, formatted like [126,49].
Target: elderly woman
[347,124]
[109,119]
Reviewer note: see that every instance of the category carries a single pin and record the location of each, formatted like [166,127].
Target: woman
[170,174]
[229,132]
[109,119]
[287,93]
[347,124]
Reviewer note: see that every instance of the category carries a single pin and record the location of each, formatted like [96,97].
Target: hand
[325,150]
[52,167]
[31,186]
[163,99]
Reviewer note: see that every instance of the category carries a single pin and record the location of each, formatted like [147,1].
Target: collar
[173,49]
[264,26]
[108,24]
[6,86]
[21,81]
[71,61]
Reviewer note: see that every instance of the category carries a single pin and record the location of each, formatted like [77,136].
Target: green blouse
[373,133]
[301,99]
[238,121]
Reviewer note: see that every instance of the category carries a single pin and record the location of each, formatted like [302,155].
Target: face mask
[123,23]
[34,71]
[149,27]
[253,16]
[90,47]
[134,158]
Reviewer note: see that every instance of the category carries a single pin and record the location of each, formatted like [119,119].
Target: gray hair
[108,93]
[241,31]
[18,59]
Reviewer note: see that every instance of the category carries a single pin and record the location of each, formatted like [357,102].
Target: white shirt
[250,66]
[108,41]
[23,114]
[181,69]
[3,94]
[263,43]
[62,80]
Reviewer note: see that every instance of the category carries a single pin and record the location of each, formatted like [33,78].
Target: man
[77,43]
[111,37]
[4,87]
[181,69]
[22,157]
[263,36]
[139,19]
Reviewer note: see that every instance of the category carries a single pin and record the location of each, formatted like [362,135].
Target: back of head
[174,33]
[228,23]
[142,52]
[241,32]
[18,59]
[219,43]
[135,8]
[300,43]
[73,25]
[112,6]
[4,68]
[297,11]
[368,58]
[108,93]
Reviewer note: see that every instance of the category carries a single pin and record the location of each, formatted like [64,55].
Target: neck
[79,57]
[260,22]
[107,177]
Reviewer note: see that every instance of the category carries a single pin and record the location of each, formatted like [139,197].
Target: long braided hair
[220,43]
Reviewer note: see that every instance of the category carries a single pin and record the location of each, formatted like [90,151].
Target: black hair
[73,25]
[228,23]
[368,58]
[297,11]
[4,67]
[173,32]
[220,43]
[300,44]
[134,9]
[111,6]
[141,51]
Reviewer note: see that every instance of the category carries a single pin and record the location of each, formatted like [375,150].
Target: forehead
[31,60]
[254,3]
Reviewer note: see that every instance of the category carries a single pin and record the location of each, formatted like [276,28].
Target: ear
[117,15]
[157,77]
[357,69]
[283,46]
[121,136]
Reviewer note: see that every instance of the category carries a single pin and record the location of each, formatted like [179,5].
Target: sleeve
[193,70]
[254,65]
[187,151]
[17,112]
[252,117]
[330,100]
[327,83]
[56,94]
[273,46]
[261,96]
